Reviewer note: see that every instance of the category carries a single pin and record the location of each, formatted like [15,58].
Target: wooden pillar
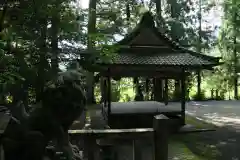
[166,91]
[160,89]
[183,97]
[147,89]
[109,95]
[155,89]
[161,135]
[177,90]
[104,90]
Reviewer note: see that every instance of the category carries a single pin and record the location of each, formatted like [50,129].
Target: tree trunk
[159,13]
[199,81]
[235,51]
[43,63]
[159,7]
[174,16]
[54,42]
[91,47]
[199,49]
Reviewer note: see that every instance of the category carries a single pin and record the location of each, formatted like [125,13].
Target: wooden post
[136,150]
[161,133]
[154,89]
[166,92]
[183,98]
[1,153]
[109,95]
[89,145]
[105,92]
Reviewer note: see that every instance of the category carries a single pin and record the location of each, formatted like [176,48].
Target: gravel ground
[220,113]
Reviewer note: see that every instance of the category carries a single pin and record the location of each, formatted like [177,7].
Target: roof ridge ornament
[147,20]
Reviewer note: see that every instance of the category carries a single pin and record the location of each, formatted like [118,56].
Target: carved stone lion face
[65,96]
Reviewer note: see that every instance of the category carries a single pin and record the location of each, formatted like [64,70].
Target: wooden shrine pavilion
[146,52]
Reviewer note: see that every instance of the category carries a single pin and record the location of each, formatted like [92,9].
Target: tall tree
[199,48]
[235,58]
[55,23]
[91,47]
[228,43]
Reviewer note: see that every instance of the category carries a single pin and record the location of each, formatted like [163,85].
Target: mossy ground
[193,146]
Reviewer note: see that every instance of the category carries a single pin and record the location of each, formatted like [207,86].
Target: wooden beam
[139,73]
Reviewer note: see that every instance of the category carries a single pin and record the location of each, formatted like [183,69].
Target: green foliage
[228,43]
[25,47]
[29,59]
[200,97]
[115,92]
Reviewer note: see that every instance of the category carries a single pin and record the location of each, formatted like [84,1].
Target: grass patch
[179,151]
[196,144]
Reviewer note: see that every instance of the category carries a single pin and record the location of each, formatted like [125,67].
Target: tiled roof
[180,59]
[145,45]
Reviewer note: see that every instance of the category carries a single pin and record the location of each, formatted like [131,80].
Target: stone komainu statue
[63,101]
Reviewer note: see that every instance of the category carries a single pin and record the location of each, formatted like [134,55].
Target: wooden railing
[162,129]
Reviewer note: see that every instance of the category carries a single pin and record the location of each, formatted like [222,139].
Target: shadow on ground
[222,144]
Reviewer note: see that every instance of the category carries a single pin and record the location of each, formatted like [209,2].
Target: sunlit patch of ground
[220,113]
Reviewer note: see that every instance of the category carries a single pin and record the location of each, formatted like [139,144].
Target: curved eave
[207,57]
[100,67]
